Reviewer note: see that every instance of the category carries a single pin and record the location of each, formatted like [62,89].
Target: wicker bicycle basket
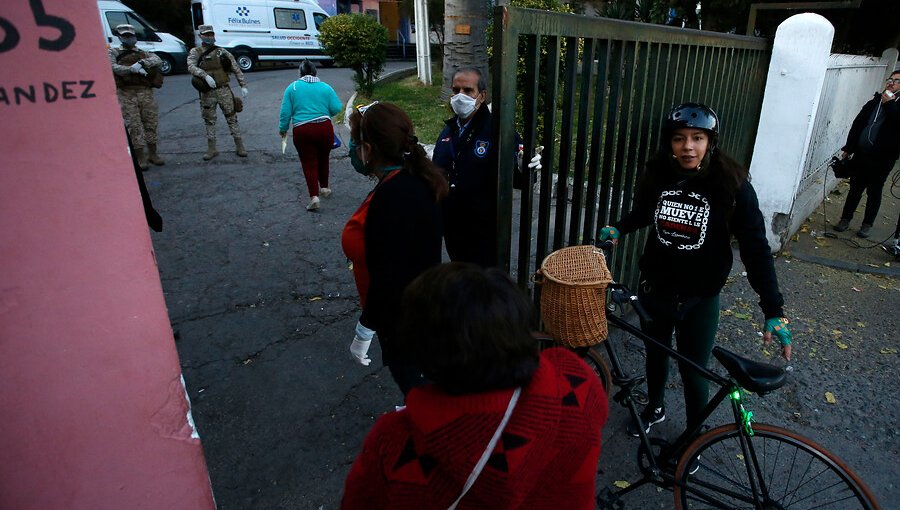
[573,295]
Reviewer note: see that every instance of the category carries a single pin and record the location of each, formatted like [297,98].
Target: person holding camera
[210,65]
[874,142]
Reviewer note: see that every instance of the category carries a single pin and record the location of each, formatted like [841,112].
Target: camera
[842,168]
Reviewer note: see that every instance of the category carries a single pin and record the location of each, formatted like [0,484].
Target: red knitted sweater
[419,457]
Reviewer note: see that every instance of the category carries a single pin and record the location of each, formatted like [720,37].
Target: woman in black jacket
[696,198]
[395,235]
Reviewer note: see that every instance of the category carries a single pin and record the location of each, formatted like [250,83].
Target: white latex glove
[535,163]
[142,72]
[244,92]
[210,81]
[359,348]
[137,68]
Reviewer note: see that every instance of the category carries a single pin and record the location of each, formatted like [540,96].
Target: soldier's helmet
[205,29]
[125,29]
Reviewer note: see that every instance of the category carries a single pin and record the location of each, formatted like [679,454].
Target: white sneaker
[324,192]
[313,204]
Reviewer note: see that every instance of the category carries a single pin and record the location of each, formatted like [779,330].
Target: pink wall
[93,413]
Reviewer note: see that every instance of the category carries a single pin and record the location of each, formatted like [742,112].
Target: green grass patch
[422,104]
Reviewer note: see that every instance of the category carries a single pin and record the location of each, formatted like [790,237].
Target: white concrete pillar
[889,59]
[793,87]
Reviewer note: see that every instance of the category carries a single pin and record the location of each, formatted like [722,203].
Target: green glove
[608,232]
[778,327]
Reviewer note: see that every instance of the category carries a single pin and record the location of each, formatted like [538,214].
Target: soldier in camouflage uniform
[212,64]
[134,71]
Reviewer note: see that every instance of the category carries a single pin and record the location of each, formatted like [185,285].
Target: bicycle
[744,464]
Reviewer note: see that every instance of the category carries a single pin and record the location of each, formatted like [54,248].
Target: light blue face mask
[357,163]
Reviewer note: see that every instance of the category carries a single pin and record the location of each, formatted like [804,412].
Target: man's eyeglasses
[895,81]
[362,109]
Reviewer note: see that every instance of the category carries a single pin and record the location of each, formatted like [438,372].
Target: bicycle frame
[729,389]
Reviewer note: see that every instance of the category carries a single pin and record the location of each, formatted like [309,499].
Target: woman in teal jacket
[307,108]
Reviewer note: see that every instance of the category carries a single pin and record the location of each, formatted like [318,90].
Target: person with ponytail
[695,198]
[306,108]
[396,233]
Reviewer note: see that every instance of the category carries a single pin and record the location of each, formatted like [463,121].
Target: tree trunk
[465,26]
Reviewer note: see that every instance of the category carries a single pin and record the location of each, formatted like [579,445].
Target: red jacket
[419,457]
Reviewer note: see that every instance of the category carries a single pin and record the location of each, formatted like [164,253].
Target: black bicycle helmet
[693,115]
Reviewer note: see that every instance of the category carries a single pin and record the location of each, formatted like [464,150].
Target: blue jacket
[305,101]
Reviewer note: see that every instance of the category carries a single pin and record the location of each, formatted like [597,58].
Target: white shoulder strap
[490,448]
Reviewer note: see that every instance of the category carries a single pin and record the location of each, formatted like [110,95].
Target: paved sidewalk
[817,241]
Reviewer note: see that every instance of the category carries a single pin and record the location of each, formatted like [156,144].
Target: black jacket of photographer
[886,144]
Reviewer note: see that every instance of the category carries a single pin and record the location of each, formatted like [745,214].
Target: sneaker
[842,225]
[324,192]
[864,230]
[650,417]
[313,204]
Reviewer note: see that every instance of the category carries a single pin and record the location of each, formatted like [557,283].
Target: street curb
[847,266]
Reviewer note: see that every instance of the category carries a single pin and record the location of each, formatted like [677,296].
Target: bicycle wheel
[598,364]
[796,473]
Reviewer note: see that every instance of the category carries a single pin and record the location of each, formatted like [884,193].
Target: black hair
[482,83]
[307,68]
[390,132]
[466,328]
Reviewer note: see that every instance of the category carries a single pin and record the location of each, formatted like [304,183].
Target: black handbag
[842,168]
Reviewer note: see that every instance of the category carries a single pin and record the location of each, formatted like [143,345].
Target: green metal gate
[604,86]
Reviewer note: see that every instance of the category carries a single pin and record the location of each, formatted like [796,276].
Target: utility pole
[423,41]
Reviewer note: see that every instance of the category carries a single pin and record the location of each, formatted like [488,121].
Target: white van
[271,30]
[170,49]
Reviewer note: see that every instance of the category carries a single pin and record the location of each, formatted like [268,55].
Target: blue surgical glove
[608,232]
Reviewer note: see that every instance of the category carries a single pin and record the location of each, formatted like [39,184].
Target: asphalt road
[263,307]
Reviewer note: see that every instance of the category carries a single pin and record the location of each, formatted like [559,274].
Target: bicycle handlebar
[621,295]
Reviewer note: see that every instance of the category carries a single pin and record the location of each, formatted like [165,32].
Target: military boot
[211,151]
[153,157]
[239,147]
[141,158]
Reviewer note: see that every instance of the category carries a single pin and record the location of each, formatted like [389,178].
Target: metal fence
[593,92]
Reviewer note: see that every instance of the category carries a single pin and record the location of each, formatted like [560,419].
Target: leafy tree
[356,41]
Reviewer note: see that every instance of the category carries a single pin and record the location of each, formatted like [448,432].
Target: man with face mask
[134,71]
[465,150]
[212,64]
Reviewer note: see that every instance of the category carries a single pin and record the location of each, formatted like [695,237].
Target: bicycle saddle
[760,378]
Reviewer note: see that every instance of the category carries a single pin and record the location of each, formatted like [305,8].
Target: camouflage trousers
[223,97]
[141,114]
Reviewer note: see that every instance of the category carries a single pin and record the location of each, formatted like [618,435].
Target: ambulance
[169,48]
[263,30]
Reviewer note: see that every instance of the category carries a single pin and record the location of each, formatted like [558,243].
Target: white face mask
[462,105]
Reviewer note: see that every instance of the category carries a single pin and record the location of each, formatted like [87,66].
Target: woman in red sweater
[502,426]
